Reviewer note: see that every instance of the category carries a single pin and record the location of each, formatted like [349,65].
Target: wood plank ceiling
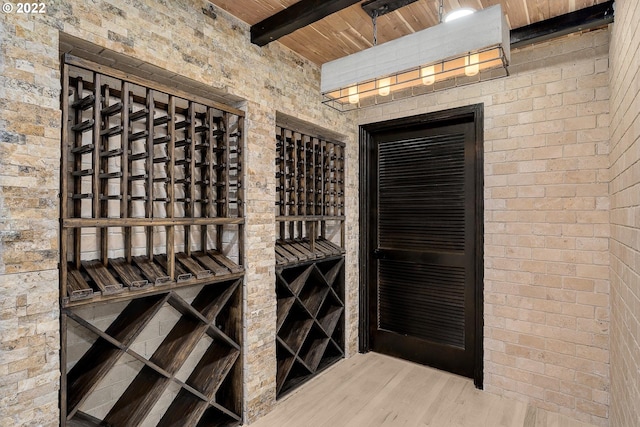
[350,30]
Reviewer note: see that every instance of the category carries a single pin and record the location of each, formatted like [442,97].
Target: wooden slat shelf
[300,250]
[129,274]
[151,290]
[192,266]
[134,318]
[283,368]
[138,399]
[329,317]
[295,277]
[85,420]
[102,356]
[285,256]
[152,271]
[210,264]
[177,345]
[181,274]
[185,410]
[331,272]
[298,375]
[317,345]
[140,277]
[226,262]
[217,360]
[297,254]
[213,417]
[105,282]
[313,295]
[186,309]
[295,331]
[211,299]
[151,181]
[85,374]
[77,286]
[284,305]
[217,334]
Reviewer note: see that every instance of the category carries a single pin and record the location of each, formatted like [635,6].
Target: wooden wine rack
[210,395]
[151,190]
[309,265]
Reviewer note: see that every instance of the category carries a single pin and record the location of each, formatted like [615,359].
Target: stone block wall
[546,253]
[625,215]
[177,44]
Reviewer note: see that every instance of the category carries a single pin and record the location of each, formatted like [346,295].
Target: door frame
[366,157]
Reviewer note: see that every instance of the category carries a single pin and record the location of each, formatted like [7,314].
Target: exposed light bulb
[384,86]
[471,64]
[428,75]
[458,13]
[353,95]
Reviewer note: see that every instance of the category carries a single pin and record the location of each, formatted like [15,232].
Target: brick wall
[197,53]
[625,215]
[546,222]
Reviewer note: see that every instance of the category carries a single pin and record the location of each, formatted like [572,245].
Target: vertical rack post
[283,182]
[207,176]
[341,189]
[299,180]
[189,179]
[170,190]
[226,167]
[125,182]
[64,184]
[291,182]
[323,192]
[96,147]
[222,166]
[240,153]
[103,199]
[150,173]
[101,232]
[77,182]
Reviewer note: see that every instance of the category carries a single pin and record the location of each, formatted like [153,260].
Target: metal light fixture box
[467,50]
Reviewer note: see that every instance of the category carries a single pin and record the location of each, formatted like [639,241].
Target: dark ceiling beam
[580,20]
[296,16]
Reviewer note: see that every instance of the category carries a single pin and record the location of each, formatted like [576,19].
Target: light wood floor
[373,390]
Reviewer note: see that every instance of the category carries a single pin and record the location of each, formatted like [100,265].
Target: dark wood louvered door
[423,240]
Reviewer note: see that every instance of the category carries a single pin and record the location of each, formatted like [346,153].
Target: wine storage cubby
[309,256]
[151,209]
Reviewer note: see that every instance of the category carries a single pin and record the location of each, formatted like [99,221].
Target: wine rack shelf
[214,385]
[310,320]
[151,210]
[309,264]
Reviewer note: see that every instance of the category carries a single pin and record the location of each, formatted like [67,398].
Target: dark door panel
[423,262]
[422,300]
